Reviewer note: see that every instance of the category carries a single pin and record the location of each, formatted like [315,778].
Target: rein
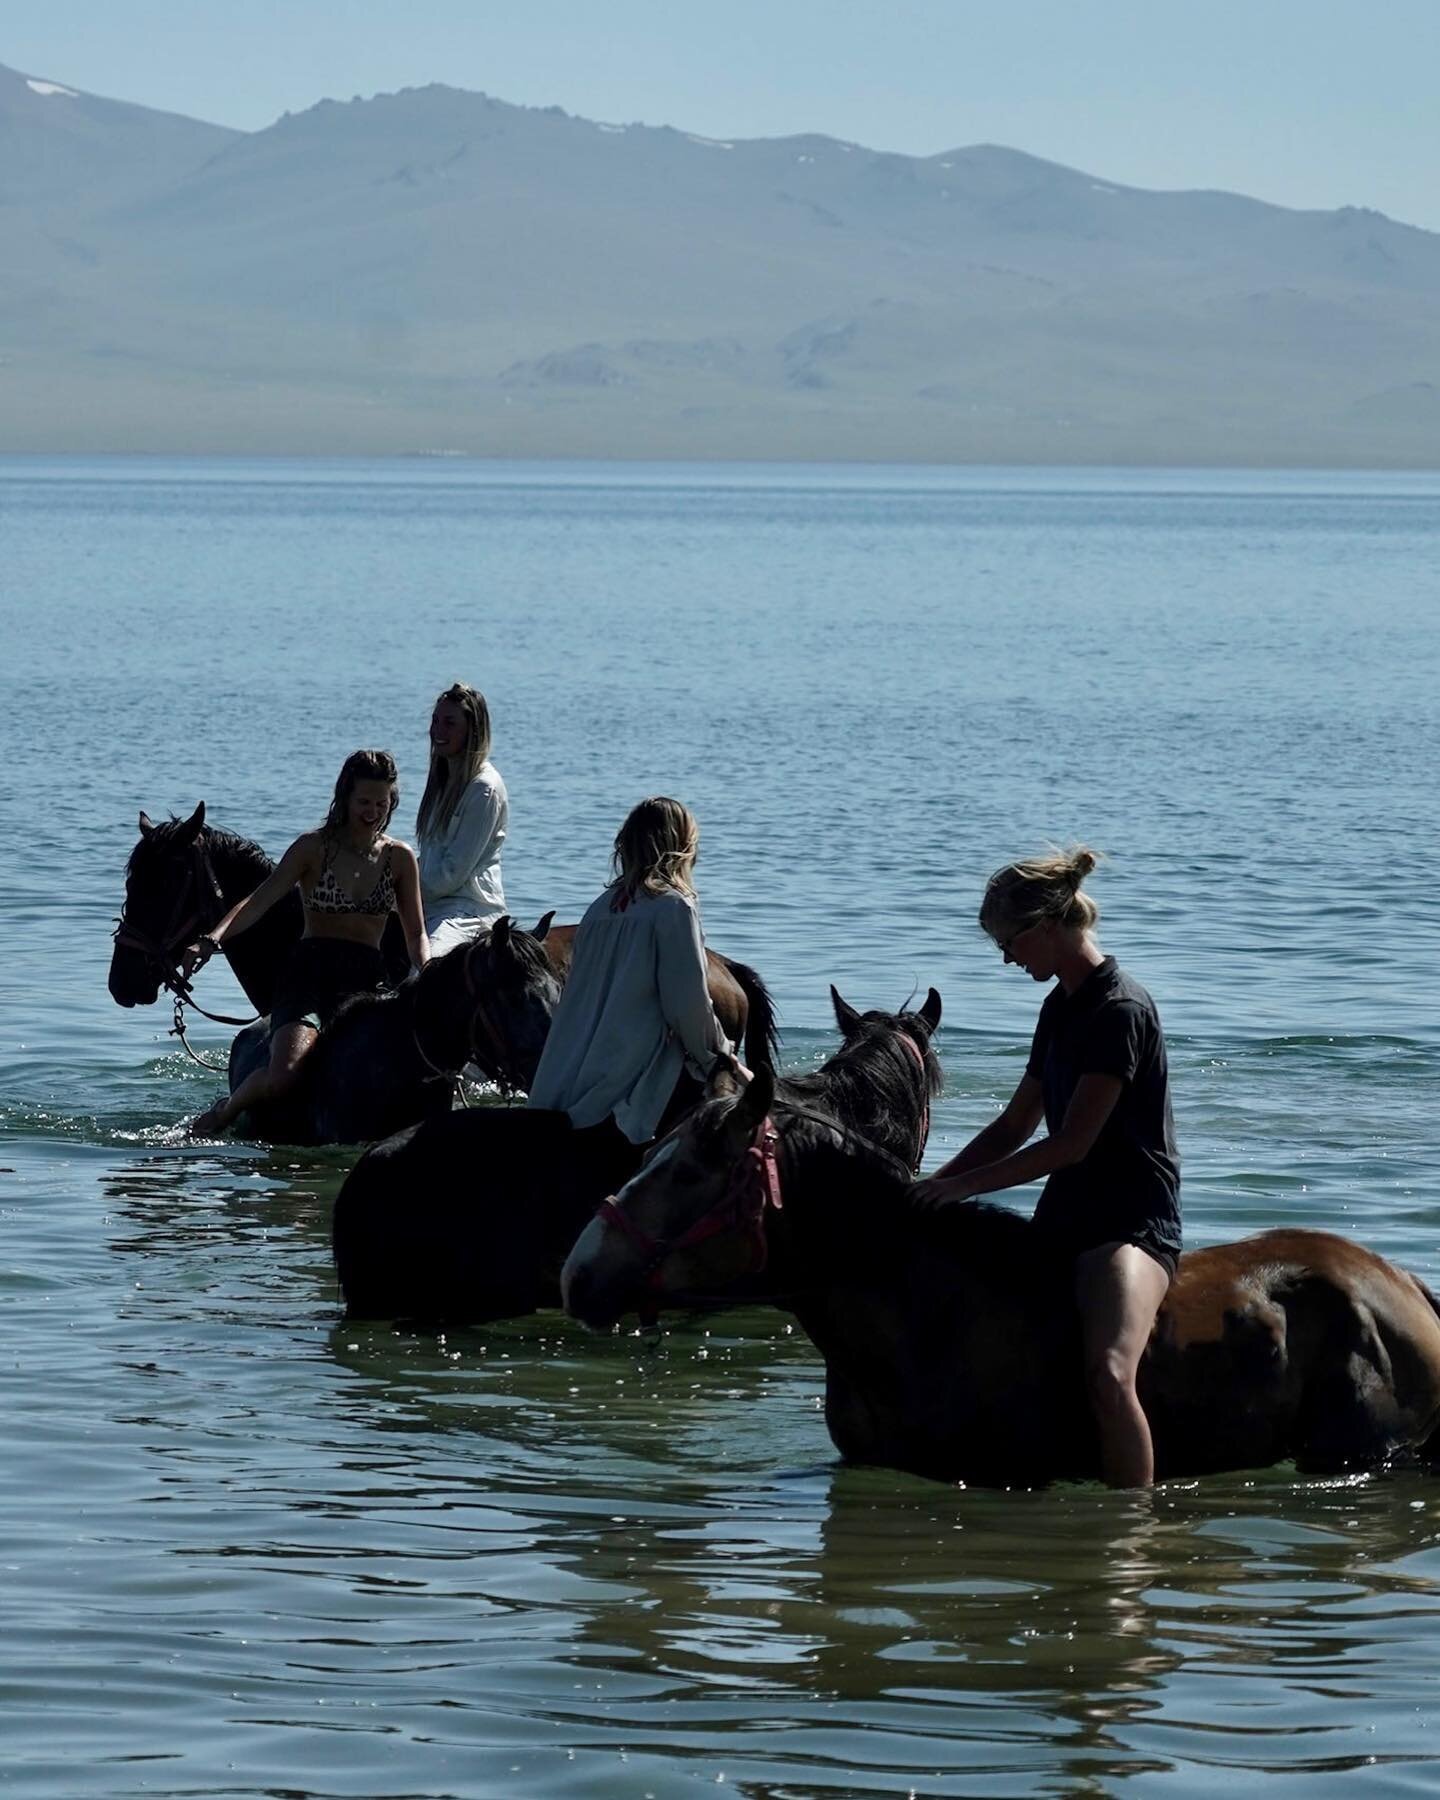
[494,1051]
[201,881]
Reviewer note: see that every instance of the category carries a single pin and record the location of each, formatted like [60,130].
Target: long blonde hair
[655,850]
[451,775]
[1043,888]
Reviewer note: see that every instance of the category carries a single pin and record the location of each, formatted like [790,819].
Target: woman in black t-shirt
[1098,1076]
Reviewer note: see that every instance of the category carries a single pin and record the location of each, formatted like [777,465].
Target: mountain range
[439,271]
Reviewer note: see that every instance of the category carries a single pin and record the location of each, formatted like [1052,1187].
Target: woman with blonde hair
[635,1032]
[461,824]
[1098,1076]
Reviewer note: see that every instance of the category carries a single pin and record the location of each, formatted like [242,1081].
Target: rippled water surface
[247,1549]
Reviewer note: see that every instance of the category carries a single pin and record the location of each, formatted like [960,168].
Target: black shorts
[320,974]
[1073,1228]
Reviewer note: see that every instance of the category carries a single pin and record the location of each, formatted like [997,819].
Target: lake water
[247,1550]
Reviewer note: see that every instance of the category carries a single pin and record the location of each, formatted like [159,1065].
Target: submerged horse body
[951,1344]
[391,1058]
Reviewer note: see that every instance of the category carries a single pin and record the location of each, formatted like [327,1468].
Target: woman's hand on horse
[195,956]
[940,1191]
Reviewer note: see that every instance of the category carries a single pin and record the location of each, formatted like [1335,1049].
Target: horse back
[1292,1343]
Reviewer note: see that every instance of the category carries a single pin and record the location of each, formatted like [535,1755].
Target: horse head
[171,895]
[692,1219]
[695,1219]
[507,995]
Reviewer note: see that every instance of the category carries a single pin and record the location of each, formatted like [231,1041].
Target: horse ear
[930,1011]
[540,930]
[500,932]
[846,1016]
[723,1079]
[190,830]
[757,1099]
[147,825]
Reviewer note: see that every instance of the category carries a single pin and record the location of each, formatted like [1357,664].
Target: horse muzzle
[596,1286]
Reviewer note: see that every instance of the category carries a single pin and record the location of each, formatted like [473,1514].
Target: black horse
[392,1058]
[952,1344]
[470,1218]
[182,878]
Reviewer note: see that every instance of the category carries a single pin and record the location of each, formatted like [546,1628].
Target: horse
[392,1058]
[184,875]
[468,1218]
[951,1342]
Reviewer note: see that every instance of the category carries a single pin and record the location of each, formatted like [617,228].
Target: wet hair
[1043,889]
[655,850]
[361,765]
[450,776]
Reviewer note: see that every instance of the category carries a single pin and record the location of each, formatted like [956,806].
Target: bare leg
[1119,1289]
[287,1051]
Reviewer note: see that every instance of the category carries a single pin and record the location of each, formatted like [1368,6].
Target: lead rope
[177,1030]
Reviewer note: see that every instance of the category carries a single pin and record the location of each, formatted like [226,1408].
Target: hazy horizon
[439,269]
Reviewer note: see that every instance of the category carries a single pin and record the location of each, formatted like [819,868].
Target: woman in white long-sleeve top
[464,815]
[635,1033]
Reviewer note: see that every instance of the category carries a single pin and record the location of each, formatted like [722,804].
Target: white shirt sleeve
[683,981]
[477,829]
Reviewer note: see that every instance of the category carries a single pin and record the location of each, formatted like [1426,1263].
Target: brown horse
[951,1345]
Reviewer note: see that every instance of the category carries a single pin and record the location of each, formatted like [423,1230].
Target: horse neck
[257,956]
[240,866]
[434,1013]
[840,1208]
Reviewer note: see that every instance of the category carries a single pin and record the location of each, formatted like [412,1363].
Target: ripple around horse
[951,1343]
[183,875]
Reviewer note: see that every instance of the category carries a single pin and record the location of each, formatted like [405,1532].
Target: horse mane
[528,952]
[980,1230]
[228,845]
[868,1085]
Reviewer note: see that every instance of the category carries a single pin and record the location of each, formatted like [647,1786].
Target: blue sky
[1320,104]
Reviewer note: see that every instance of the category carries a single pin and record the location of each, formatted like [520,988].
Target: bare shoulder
[306,851]
[400,853]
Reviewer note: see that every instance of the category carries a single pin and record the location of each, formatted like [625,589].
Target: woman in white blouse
[464,814]
[635,1029]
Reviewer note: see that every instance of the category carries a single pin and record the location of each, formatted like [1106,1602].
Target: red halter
[754,1189]
[754,1186]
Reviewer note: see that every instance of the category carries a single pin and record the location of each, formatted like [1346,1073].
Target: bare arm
[1004,1135]
[297,861]
[1090,1106]
[407,904]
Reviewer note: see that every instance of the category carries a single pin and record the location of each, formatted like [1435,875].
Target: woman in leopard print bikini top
[339,954]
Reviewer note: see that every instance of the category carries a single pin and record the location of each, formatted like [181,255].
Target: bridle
[194,906]
[753,1191]
[486,1044]
[198,902]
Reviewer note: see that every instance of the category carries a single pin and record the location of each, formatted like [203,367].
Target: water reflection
[628,1567]
[877,1625]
